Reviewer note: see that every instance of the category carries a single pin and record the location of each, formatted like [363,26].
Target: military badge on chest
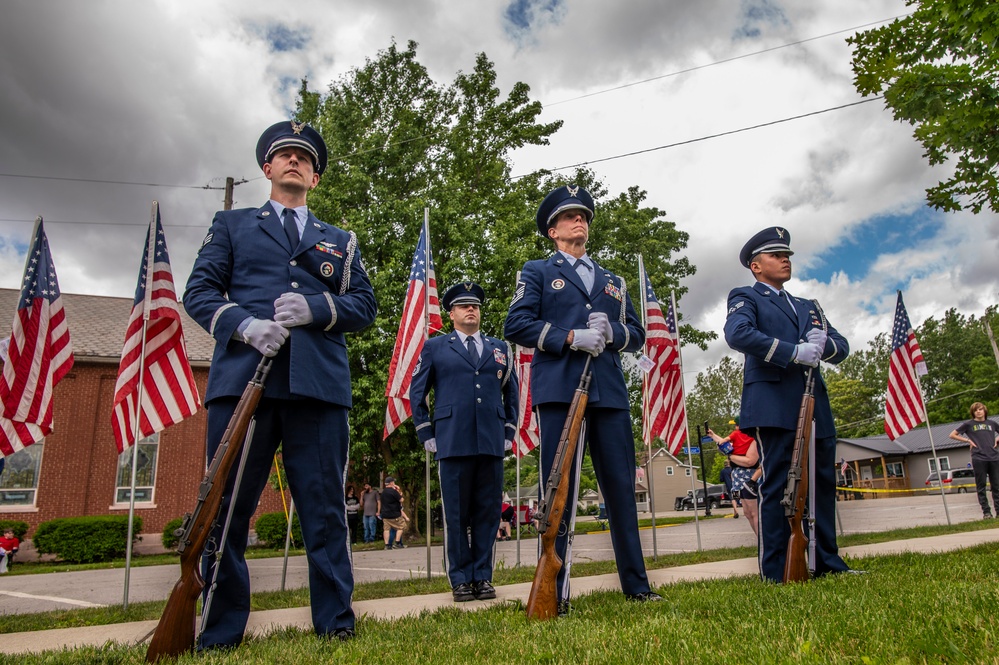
[499,357]
[613,291]
[326,269]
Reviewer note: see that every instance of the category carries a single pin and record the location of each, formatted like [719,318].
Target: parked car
[956,481]
[717,498]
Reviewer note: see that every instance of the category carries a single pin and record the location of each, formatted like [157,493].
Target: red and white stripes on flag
[528,434]
[39,354]
[904,408]
[414,329]
[664,415]
[168,393]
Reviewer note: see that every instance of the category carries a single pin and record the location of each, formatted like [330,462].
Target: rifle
[174,633]
[542,603]
[796,492]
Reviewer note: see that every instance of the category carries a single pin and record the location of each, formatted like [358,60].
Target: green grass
[910,608]
[419,585]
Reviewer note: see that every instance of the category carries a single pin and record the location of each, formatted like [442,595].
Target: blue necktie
[291,227]
[585,272]
[472,351]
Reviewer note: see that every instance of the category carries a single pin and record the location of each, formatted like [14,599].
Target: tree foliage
[401,143]
[938,69]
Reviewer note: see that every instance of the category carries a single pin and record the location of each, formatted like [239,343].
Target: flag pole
[933,448]
[690,460]
[516,450]
[646,433]
[147,296]
[426,335]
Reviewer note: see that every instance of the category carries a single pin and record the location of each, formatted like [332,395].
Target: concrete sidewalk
[392,608]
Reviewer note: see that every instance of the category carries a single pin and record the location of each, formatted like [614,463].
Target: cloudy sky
[172,95]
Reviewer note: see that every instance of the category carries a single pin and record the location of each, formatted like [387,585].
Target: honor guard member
[473,425]
[566,307]
[276,281]
[782,336]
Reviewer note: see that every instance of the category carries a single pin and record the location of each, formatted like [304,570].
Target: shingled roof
[97,326]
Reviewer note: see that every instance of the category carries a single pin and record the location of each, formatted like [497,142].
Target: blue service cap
[768,241]
[465,293]
[290,133]
[563,198]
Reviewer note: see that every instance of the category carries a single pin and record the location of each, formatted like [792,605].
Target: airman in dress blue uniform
[473,425]
[276,281]
[565,307]
[782,336]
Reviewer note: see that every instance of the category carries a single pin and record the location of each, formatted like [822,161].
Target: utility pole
[992,339]
[227,202]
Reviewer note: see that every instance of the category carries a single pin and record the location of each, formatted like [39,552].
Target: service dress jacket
[243,266]
[762,325]
[549,302]
[475,407]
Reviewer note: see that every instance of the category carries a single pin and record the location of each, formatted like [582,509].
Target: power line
[425,136]
[143,223]
[724,61]
[711,136]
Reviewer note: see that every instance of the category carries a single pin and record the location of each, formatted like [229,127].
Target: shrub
[20,528]
[170,539]
[86,539]
[271,529]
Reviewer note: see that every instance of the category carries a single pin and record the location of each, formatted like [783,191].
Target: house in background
[77,470]
[877,464]
[670,478]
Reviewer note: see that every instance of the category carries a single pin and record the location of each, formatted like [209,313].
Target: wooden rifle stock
[175,631]
[543,602]
[796,492]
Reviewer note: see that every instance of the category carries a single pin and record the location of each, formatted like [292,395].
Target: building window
[686,472]
[669,471]
[19,480]
[895,470]
[944,463]
[145,472]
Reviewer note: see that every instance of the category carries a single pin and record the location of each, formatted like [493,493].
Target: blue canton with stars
[39,275]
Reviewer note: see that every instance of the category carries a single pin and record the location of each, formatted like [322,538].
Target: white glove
[598,321]
[508,446]
[818,337]
[591,341]
[807,353]
[431,444]
[291,310]
[265,336]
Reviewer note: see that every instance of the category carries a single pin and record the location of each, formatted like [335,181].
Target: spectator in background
[353,505]
[393,515]
[982,435]
[371,505]
[507,514]
[744,457]
[726,478]
[9,545]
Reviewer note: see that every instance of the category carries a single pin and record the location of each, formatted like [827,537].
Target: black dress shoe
[343,634]
[483,590]
[644,597]
[564,608]
[463,592]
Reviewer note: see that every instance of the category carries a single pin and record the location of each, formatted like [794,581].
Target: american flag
[413,332]
[904,407]
[168,392]
[39,354]
[528,435]
[664,415]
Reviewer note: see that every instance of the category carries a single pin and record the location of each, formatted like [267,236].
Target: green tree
[716,396]
[938,69]
[401,143]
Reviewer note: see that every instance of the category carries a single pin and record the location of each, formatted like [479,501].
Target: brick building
[77,469]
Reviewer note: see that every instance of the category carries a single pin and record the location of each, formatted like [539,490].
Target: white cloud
[177,92]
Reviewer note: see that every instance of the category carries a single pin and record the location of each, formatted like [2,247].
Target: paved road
[37,593]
